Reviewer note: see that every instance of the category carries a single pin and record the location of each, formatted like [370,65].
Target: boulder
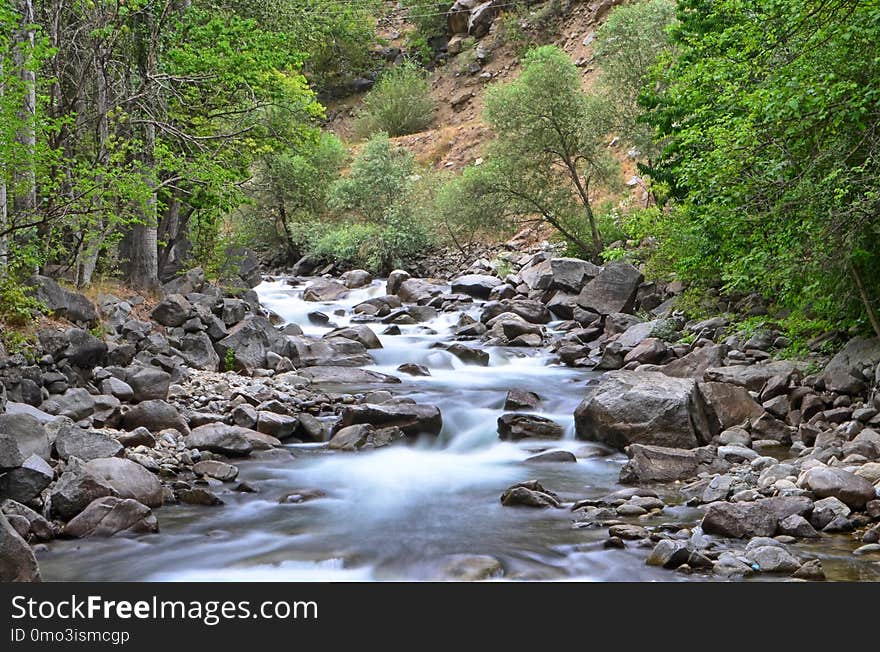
[844,373]
[247,343]
[324,290]
[173,311]
[128,479]
[571,274]
[662,464]
[76,403]
[612,290]
[516,426]
[108,516]
[23,435]
[644,407]
[416,290]
[148,383]
[359,333]
[73,441]
[458,16]
[520,399]
[66,304]
[395,279]
[728,405]
[216,469]
[759,518]
[825,481]
[187,283]
[481,18]
[537,276]
[411,418]
[413,369]
[357,278]
[17,561]
[468,355]
[334,352]
[232,441]
[155,416]
[476,285]
[119,388]
[345,376]
[26,482]
[75,489]
[84,350]
[197,351]
[529,494]
[695,363]
[752,377]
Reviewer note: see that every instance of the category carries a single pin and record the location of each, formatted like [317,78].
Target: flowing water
[397,513]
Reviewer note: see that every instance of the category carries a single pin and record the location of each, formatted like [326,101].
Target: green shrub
[399,104]
[18,307]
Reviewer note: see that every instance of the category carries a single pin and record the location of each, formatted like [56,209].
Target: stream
[400,512]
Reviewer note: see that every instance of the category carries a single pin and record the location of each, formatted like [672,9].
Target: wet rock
[17,561]
[612,290]
[552,457]
[413,369]
[155,416]
[478,286]
[199,496]
[669,554]
[357,278]
[827,510]
[751,519]
[324,290]
[359,333]
[414,290]
[851,489]
[395,279]
[518,399]
[24,483]
[280,426]
[811,571]
[471,568]
[109,516]
[351,437]
[468,355]
[628,532]
[128,480]
[334,352]
[216,469]
[797,526]
[772,559]
[411,418]
[38,527]
[299,496]
[528,426]
[529,494]
[644,407]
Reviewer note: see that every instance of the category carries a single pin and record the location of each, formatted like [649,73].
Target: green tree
[769,112]
[550,152]
[399,104]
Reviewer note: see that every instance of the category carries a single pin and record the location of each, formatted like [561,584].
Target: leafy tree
[399,104]
[770,110]
[550,152]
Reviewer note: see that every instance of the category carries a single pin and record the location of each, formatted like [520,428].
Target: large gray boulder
[515,426]
[358,333]
[197,351]
[148,383]
[831,482]
[324,290]
[695,363]
[416,290]
[476,285]
[155,416]
[753,377]
[108,516]
[759,518]
[23,435]
[75,489]
[643,407]
[63,303]
[84,350]
[232,441]
[571,274]
[345,376]
[27,481]
[663,464]
[128,479]
[613,290]
[173,310]
[851,371]
[332,352]
[73,441]
[17,561]
[76,403]
[247,343]
[411,418]
[728,405]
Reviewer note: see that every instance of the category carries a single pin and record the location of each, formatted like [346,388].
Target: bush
[399,104]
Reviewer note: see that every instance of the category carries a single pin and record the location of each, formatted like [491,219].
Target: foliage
[429,16]
[400,103]
[768,113]
[549,156]
[229,360]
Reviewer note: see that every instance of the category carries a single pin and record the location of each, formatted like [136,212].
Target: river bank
[469,382]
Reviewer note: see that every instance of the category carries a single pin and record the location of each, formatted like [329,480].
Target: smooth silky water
[397,513]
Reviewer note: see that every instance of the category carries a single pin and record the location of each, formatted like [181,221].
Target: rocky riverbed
[556,420]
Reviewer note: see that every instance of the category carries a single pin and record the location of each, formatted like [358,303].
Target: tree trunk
[143,271]
[584,194]
[23,56]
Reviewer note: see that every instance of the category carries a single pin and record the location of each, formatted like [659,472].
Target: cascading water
[399,512]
